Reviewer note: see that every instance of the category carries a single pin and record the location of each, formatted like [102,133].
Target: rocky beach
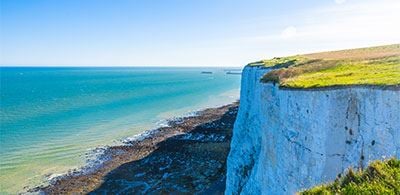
[187,156]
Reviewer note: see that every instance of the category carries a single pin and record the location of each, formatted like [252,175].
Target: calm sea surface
[52,117]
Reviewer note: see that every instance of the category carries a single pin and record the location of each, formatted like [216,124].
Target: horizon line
[111,66]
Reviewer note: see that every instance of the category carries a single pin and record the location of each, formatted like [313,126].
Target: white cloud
[358,24]
[340,1]
[289,32]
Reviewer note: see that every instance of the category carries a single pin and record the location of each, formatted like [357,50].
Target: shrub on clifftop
[378,178]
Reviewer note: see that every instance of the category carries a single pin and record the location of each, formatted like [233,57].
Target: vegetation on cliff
[367,66]
[380,177]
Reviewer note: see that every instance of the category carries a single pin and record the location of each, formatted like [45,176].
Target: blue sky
[187,33]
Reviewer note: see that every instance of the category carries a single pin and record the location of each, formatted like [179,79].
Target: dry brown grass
[369,53]
[293,71]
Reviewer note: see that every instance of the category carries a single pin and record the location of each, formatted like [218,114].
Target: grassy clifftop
[378,178]
[366,66]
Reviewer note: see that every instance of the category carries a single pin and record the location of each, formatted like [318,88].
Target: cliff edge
[288,139]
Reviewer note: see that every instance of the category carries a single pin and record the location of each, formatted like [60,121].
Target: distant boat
[206,72]
[233,72]
[232,69]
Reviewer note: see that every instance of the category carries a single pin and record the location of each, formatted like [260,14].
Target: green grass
[368,66]
[380,177]
[280,62]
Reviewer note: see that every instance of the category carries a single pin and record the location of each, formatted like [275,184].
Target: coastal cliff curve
[286,140]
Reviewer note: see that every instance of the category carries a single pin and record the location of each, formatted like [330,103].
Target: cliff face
[287,140]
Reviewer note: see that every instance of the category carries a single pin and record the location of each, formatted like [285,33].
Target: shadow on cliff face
[187,163]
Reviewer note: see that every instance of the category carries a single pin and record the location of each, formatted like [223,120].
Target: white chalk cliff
[286,140]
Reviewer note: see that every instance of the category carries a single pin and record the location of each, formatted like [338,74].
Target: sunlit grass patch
[381,73]
[371,66]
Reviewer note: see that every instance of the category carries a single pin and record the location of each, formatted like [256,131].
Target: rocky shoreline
[188,156]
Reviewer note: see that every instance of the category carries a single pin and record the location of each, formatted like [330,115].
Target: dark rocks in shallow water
[187,157]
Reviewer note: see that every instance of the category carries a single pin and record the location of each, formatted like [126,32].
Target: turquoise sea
[52,118]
